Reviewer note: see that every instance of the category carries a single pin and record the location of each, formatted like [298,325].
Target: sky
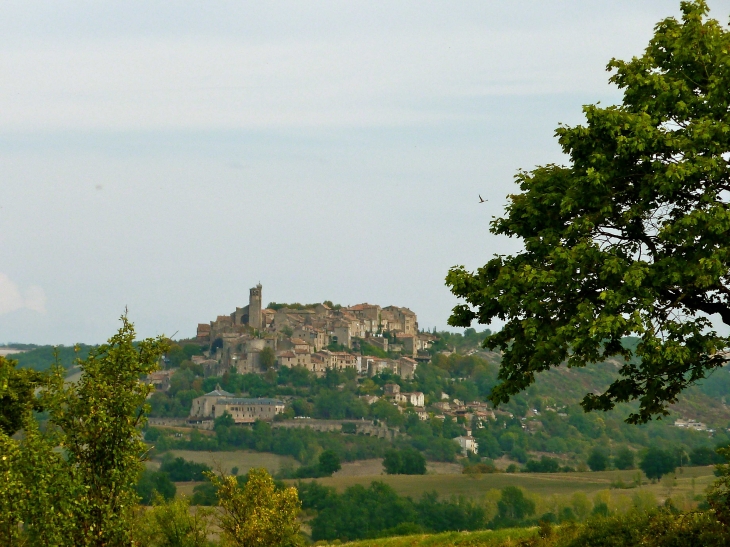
[164,157]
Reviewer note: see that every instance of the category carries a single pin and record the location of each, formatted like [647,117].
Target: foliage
[598,459]
[624,458]
[455,341]
[257,515]
[704,455]
[545,465]
[176,354]
[631,238]
[85,493]
[483,538]
[17,394]
[404,462]
[170,523]
[369,349]
[329,462]
[268,358]
[276,306]
[378,511]
[204,494]
[657,462]
[512,507]
[479,468]
[152,483]
[718,495]
[180,470]
[42,358]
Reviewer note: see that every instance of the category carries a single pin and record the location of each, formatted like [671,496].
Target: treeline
[304,444]
[42,357]
[378,511]
[584,440]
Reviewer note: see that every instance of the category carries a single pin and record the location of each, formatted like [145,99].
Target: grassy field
[692,479]
[243,459]
[485,538]
[370,468]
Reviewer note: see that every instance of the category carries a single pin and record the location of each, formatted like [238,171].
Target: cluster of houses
[301,335]
[243,411]
[692,424]
[461,409]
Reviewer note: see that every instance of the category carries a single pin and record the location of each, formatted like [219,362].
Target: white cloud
[11,298]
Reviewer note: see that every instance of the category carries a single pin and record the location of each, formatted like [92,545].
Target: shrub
[404,462]
[624,458]
[656,463]
[598,460]
[154,482]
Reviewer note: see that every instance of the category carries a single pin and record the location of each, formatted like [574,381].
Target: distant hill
[42,357]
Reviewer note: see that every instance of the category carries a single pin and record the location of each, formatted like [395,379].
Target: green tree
[17,394]
[513,506]
[75,483]
[624,458]
[329,462]
[704,455]
[170,523]
[413,462]
[268,358]
[152,483]
[392,462]
[257,514]
[656,463]
[631,238]
[598,460]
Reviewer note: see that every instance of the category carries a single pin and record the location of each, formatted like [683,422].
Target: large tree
[72,482]
[631,238]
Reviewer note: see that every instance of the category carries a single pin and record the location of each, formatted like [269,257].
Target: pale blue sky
[166,156]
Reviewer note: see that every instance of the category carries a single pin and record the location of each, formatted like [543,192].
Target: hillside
[42,357]
[545,420]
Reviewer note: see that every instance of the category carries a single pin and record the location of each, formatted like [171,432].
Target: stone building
[247,411]
[407,368]
[202,406]
[467,443]
[243,410]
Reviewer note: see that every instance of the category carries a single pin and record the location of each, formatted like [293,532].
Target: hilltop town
[317,337]
[366,339]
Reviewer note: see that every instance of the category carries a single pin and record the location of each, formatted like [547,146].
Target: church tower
[254,307]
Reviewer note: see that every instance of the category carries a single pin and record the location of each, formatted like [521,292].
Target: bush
[479,468]
[204,494]
[404,462]
[329,463]
[154,482]
[656,463]
[181,470]
[171,523]
[598,460]
[545,465]
[624,459]
[704,455]
[512,508]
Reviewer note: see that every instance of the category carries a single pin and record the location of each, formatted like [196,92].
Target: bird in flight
[481,199]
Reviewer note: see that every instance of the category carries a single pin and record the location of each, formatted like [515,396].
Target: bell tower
[254,307]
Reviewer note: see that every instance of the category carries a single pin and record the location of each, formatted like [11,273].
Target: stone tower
[254,307]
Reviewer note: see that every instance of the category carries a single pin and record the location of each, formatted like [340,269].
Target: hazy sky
[167,156]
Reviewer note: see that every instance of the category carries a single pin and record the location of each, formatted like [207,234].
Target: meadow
[226,460]
[689,480]
[482,538]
